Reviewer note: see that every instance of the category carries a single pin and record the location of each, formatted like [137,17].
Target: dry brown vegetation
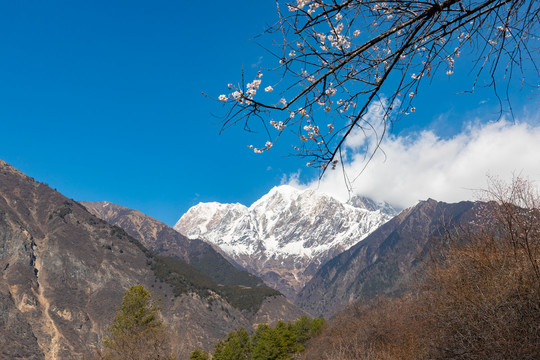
[478,298]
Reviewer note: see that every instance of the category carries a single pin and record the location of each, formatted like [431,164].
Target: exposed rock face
[285,236]
[385,260]
[152,233]
[164,240]
[63,271]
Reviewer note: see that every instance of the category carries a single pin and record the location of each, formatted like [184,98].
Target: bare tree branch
[339,58]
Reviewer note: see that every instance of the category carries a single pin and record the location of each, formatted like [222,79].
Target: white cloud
[417,167]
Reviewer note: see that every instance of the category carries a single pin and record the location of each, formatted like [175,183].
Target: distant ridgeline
[187,265]
[185,278]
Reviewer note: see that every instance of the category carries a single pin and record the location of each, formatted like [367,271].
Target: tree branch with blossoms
[338,58]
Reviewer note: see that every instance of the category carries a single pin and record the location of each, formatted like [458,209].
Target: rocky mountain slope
[164,240]
[386,259]
[286,235]
[63,271]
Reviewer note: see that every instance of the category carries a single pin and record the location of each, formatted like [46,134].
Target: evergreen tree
[280,342]
[277,343]
[305,328]
[137,331]
[199,354]
[237,346]
[265,343]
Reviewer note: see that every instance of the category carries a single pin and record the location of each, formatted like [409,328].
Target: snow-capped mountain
[286,235]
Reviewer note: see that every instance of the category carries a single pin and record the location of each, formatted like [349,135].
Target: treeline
[186,278]
[476,298]
[267,343]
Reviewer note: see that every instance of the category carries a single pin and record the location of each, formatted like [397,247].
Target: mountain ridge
[164,240]
[63,271]
[284,236]
[384,262]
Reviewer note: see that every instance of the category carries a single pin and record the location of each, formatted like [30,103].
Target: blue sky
[102,100]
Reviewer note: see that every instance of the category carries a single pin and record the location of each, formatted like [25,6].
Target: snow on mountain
[287,234]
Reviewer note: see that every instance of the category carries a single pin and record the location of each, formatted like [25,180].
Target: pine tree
[137,331]
[199,354]
[277,343]
[304,328]
[237,346]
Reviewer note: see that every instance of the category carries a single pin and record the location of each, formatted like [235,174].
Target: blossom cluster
[252,87]
[339,53]
[279,125]
[300,5]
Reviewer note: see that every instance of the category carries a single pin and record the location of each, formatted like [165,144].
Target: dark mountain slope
[63,271]
[383,262]
[164,240]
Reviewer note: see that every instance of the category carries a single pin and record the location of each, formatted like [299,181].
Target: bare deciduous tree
[477,299]
[340,59]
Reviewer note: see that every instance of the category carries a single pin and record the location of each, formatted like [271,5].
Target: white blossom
[313,7]
[268,89]
[222,98]
[330,91]
[237,95]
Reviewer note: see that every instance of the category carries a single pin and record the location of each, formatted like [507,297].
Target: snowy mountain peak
[286,234]
[363,202]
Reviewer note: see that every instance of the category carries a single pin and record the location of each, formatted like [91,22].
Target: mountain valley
[65,265]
